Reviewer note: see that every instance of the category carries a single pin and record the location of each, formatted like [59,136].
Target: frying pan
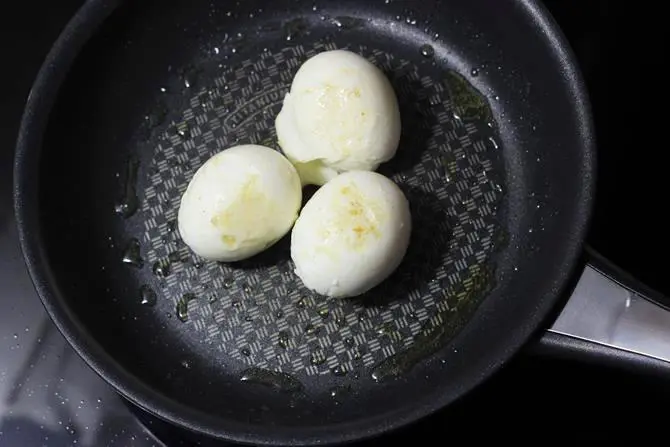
[496,159]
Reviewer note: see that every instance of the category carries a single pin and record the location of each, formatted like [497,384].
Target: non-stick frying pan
[496,159]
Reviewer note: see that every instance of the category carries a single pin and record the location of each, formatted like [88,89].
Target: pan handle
[611,318]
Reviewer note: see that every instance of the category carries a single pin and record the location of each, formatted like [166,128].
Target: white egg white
[341,114]
[351,234]
[240,202]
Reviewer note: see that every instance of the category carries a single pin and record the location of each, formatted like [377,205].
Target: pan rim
[36,114]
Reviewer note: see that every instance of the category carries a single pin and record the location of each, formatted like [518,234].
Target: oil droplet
[427,51]
[273,379]
[245,352]
[183,131]
[339,370]
[323,313]
[349,342]
[295,28]
[161,269]
[358,355]
[347,22]
[340,321]
[198,265]
[228,282]
[339,391]
[129,204]
[384,329]
[132,255]
[361,316]
[182,306]
[147,296]
[317,357]
[474,72]
[310,329]
[300,304]
[236,304]
[279,314]
[212,299]
[175,257]
[282,339]
[246,288]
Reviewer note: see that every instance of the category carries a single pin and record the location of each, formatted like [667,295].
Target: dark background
[620,46]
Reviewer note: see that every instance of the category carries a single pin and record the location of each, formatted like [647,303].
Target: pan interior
[154,95]
[257,312]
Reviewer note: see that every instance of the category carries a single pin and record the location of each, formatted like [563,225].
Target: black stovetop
[49,397]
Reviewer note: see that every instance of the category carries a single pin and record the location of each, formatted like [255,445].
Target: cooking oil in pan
[468,101]
[273,379]
[339,371]
[295,28]
[283,339]
[347,22]
[318,357]
[182,306]
[339,392]
[385,329]
[228,282]
[310,329]
[161,269]
[132,254]
[175,256]
[433,337]
[183,131]
[147,296]
[129,204]
[427,51]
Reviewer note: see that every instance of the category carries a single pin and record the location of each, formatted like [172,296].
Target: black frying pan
[496,159]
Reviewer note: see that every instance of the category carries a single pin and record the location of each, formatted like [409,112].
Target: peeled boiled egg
[239,202]
[341,114]
[351,234]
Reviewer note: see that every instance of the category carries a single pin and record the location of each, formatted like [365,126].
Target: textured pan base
[258,312]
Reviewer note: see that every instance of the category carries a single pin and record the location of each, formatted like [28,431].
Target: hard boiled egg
[239,202]
[341,114]
[351,234]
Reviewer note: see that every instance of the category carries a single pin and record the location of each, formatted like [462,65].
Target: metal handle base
[610,309]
